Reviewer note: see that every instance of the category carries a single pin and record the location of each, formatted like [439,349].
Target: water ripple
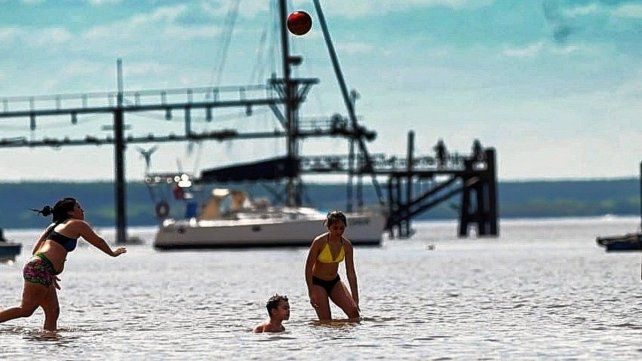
[465,299]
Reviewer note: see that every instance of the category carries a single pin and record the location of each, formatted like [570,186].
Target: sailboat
[247,223]
[232,218]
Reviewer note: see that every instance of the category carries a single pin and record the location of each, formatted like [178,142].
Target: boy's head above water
[278,307]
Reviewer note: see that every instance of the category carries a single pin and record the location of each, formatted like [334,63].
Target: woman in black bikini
[322,266]
[41,272]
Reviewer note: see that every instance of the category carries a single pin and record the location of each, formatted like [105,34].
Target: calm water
[542,290]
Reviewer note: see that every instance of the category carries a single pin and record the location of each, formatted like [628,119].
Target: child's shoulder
[260,328]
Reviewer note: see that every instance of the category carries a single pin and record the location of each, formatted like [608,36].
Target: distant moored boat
[8,250]
[627,242]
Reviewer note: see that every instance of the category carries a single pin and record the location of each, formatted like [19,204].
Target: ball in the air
[299,22]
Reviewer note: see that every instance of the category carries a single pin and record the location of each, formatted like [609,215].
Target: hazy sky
[554,85]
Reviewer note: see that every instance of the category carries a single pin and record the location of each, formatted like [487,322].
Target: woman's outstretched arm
[86,232]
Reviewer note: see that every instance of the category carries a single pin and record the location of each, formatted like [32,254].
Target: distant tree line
[528,199]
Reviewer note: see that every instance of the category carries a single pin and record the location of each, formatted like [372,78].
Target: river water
[544,289]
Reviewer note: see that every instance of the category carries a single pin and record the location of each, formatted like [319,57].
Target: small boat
[627,242]
[8,250]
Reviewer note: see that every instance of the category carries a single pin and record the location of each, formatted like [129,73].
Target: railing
[106,101]
[383,163]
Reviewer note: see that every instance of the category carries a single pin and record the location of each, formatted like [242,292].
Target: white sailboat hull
[363,229]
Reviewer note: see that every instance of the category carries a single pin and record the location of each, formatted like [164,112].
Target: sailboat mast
[346,98]
[291,117]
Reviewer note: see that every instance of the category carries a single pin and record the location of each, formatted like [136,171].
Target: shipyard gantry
[414,183]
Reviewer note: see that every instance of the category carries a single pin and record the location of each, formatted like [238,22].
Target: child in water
[278,309]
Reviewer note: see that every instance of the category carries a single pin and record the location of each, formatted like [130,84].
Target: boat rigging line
[230,21]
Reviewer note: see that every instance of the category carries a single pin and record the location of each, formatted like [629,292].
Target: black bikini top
[67,242]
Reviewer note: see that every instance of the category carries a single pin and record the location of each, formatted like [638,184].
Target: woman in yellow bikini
[322,266]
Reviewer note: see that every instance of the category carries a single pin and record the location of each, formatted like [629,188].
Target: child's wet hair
[274,301]
[334,216]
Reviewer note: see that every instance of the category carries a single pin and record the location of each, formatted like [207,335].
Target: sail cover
[270,169]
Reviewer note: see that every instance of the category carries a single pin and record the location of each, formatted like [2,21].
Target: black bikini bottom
[327,285]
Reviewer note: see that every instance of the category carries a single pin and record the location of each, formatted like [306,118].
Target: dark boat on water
[627,242]
[8,250]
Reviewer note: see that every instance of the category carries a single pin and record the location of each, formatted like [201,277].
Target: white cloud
[35,37]
[103,2]
[147,69]
[632,86]
[355,48]
[361,8]
[539,48]
[525,52]
[182,33]
[8,34]
[567,49]
[247,9]
[161,21]
[588,9]
[166,14]
[81,68]
[628,11]
[50,36]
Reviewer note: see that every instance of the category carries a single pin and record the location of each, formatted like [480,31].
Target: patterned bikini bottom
[39,270]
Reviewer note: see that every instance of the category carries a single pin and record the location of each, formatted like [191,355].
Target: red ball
[299,22]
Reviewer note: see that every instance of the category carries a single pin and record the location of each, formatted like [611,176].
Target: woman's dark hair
[334,216]
[60,210]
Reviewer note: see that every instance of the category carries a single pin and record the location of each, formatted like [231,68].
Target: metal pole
[350,176]
[291,186]
[391,209]
[119,160]
[491,181]
[346,96]
[409,169]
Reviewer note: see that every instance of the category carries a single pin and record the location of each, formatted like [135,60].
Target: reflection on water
[542,290]
[336,323]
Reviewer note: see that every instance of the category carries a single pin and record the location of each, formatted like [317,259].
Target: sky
[555,86]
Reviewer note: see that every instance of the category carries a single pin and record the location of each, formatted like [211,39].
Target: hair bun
[45,211]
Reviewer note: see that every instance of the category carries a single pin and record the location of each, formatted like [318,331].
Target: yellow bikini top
[325,256]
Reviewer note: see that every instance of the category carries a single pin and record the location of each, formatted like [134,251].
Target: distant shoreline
[633,220]
[517,199]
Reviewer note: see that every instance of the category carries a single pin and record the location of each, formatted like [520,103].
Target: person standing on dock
[322,270]
[49,255]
